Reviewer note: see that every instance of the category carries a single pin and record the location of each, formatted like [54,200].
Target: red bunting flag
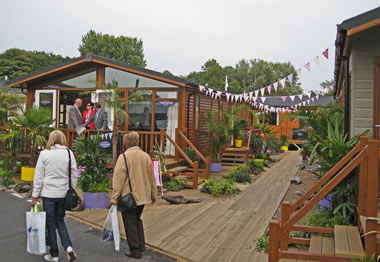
[283,98]
[326,53]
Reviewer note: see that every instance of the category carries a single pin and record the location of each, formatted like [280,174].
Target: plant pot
[215,167]
[258,159]
[238,142]
[96,200]
[326,202]
[285,148]
[27,173]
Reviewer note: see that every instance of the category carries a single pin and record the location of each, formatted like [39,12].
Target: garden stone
[274,159]
[300,193]
[296,180]
[181,200]
[23,187]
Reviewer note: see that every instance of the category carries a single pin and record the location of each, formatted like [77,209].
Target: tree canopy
[16,62]
[247,75]
[121,48]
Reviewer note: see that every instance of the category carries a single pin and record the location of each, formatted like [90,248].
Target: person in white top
[51,181]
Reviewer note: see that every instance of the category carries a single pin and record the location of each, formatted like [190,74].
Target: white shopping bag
[35,227]
[111,228]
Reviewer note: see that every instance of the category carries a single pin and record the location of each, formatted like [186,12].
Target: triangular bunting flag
[317,97]
[292,98]
[316,60]
[250,95]
[326,53]
[263,99]
[256,93]
[219,94]
[282,82]
[275,85]
[262,91]
[299,72]
[312,99]
[254,99]
[283,98]
[300,97]
[201,88]
[228,96]
[269,89]
[307,66]
[290,78]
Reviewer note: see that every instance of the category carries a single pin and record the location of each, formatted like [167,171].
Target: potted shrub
[218,133]
[238,131]
[284,142]
[94,180]
[34,126]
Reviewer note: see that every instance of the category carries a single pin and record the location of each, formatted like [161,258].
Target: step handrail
[177,147]
[188,142]
[330,174]
[326,189]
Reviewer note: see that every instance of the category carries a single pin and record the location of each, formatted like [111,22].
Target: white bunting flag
[254,99]
[262,91]
[269,89]
[290,78]
[275,85]
[299,72]
[300,97]
[282,82]
[228,96]
[316,60]
[250,95]
[263,99]
[256,93]
[292,98]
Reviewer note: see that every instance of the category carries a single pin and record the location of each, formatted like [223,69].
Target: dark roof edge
[90,57]
[45,70]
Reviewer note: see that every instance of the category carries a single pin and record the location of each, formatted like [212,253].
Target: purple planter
[326,203]
[96,200]
[215,167]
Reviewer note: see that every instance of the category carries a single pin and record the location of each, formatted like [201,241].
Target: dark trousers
[134,229]
[55,214]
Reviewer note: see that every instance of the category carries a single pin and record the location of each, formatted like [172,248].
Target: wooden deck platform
[221,230]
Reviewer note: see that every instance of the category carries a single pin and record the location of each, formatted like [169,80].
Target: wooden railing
[364,156]
[194,164]
[205,171]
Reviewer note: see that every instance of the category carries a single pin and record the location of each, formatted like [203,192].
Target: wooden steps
[232,159]
[177,169]
[346,243]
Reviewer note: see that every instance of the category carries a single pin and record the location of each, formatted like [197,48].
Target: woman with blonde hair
[51,181]
[134,169]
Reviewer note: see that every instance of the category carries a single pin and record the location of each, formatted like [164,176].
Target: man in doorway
[75,116]
[99,117]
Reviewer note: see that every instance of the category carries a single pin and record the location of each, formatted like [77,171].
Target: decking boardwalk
[224,230]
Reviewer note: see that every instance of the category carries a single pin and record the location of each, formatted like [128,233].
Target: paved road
[85,239]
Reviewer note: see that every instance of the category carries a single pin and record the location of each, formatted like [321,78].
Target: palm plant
[34,126]
[218,133]
[93,158]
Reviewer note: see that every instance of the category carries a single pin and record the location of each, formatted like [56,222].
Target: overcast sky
[180,36]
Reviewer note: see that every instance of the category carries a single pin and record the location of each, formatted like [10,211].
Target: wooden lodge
[357,82]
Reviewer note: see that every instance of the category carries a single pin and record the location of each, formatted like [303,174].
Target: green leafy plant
[366,258]
[222,186]
[240,174]
[261,156]
[34,125]
[193,157]
[176,184]
[262,244]
[284,140]
[256,143]
[7,173]
[272,144]
[256,165]
[325,219]
[218,133]
[94,160]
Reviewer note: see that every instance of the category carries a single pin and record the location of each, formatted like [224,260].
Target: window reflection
[140,110]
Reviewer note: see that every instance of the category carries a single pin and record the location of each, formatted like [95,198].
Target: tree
[122,48]
[16,62]
[247,76]
[326,87]
[10,103]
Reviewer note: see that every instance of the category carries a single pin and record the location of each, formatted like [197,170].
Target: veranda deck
[224,230]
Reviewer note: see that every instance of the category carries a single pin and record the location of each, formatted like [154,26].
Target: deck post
[207,173]
[195,175]
[372,184]
[273,241]
[285,215]
[363,169]
[176,155]
[162,137]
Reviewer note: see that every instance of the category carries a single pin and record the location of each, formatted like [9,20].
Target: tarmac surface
[86,240]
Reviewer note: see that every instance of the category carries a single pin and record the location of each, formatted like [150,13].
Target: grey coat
[75,118]
[101,122]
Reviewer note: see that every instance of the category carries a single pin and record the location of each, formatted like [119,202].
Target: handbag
[126,202]
[72,199]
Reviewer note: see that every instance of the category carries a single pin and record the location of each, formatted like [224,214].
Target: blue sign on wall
[105,144]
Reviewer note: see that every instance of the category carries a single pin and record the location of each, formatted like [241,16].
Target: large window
[126,79]
[140,110]
[83,81]
[272,119]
